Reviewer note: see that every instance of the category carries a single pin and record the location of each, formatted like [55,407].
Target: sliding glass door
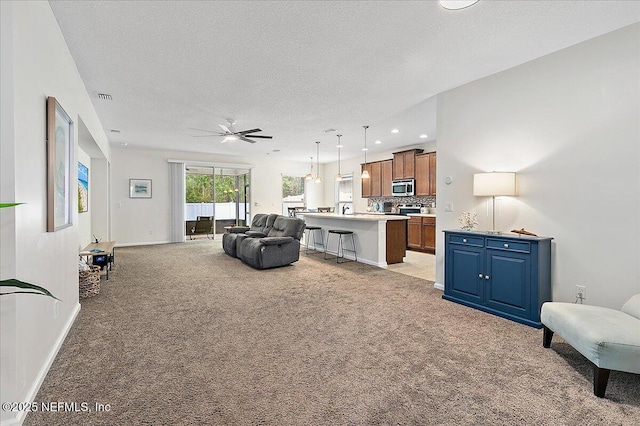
[216,193]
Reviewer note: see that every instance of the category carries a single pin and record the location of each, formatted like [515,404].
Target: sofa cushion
[274,241]
[632,307]
[287,227]
[606,337]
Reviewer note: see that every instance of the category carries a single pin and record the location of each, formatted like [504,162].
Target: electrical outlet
[581,292]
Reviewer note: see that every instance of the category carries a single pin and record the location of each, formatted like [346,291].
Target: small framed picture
[139,188]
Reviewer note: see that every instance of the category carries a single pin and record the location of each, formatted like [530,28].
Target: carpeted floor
[182,334]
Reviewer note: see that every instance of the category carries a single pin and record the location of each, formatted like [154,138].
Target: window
[292,193]
[344,194]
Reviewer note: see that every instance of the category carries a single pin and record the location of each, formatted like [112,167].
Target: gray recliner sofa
[260,227]
[280,247]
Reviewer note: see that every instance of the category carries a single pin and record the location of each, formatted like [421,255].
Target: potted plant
[24,288]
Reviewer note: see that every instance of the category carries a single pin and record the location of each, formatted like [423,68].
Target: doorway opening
[215,198]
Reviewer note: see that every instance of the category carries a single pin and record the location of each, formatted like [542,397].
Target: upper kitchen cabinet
[387,177]
[404,164]
[373,187]
[425,174]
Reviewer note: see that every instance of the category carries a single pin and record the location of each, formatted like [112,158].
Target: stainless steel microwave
[403,187]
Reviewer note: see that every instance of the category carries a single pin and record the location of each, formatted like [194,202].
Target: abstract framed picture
[59,160]
[139,188]
[83,188]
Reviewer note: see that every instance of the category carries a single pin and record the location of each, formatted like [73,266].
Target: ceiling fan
[230,134]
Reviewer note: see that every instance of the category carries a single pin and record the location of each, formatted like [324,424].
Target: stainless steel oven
[403,187]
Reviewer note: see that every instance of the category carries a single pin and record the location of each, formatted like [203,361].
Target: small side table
[103,248]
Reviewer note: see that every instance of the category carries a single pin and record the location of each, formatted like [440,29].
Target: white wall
[36,63]
[84,219]
[147,221]
[567,123]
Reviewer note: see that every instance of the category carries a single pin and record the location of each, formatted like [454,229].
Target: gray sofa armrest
[273,241]
[239,229]
[255,234]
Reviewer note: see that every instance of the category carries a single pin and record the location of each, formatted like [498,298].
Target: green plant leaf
[12,282]
[3,205]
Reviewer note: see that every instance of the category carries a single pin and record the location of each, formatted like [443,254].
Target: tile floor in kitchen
[417,264]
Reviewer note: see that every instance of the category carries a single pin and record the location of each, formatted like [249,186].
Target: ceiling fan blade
[259,136]
[245,139]
[225,128]
[244,132]
[205,130]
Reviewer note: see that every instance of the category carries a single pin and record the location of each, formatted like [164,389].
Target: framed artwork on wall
[59,160]
[139,188]
[83,188]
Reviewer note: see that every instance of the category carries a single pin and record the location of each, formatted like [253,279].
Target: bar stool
[340,253]
[310,231]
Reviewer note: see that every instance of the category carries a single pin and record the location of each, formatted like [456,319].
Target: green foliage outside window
[292,186]
[199,188]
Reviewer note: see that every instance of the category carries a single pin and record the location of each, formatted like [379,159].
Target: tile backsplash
[425,201]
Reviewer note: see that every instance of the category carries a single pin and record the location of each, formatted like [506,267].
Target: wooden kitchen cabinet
[414,233]
[432,173]
[386,177]
[373,187]
[421,233]
[366,183]
[425,173]
[404,164]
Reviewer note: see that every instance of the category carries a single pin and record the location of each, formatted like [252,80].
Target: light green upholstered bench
[610,339]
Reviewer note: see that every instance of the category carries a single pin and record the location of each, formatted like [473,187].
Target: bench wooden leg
[600,380]
[547,335]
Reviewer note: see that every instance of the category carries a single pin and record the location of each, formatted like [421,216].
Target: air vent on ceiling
[114,131]
[104,96]
[329,130]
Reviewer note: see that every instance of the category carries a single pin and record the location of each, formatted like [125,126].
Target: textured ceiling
[296,68]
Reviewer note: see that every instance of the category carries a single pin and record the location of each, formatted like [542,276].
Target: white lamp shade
[494,184]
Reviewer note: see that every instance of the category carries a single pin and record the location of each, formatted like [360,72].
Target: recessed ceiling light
[395,131]
[424,136]
[340,146]
[378,142]
[124,143]
[365,149]
[457,4]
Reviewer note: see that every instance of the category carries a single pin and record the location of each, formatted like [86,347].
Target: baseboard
[33,391]
[438,286]
[152,243]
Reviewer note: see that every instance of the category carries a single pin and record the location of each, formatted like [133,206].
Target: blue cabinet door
[463,275]
[508,282]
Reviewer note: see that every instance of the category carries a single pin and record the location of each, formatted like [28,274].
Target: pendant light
[365,172]
[339,175]
[309,175]
[318,178]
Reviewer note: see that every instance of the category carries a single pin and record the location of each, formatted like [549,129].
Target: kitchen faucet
[344,209]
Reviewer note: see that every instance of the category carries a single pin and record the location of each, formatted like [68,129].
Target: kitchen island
[381,239]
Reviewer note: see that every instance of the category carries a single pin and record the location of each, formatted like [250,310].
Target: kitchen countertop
[422,214]
[358,216]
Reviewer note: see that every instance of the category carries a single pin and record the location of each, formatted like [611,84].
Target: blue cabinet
[506,275]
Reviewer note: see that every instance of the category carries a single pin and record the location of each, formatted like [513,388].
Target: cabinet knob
[486,277]
[464,240]
[506,246]
[480,275]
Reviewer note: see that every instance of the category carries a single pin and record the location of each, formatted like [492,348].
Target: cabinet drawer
[466,240]
[509,245]
[415,220]
[428,220]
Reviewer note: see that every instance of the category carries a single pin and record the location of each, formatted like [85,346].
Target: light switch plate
[448,207]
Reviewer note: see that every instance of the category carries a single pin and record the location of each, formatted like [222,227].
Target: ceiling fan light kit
[230,134]
[457,4]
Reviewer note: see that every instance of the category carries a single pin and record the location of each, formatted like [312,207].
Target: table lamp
[494,184]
